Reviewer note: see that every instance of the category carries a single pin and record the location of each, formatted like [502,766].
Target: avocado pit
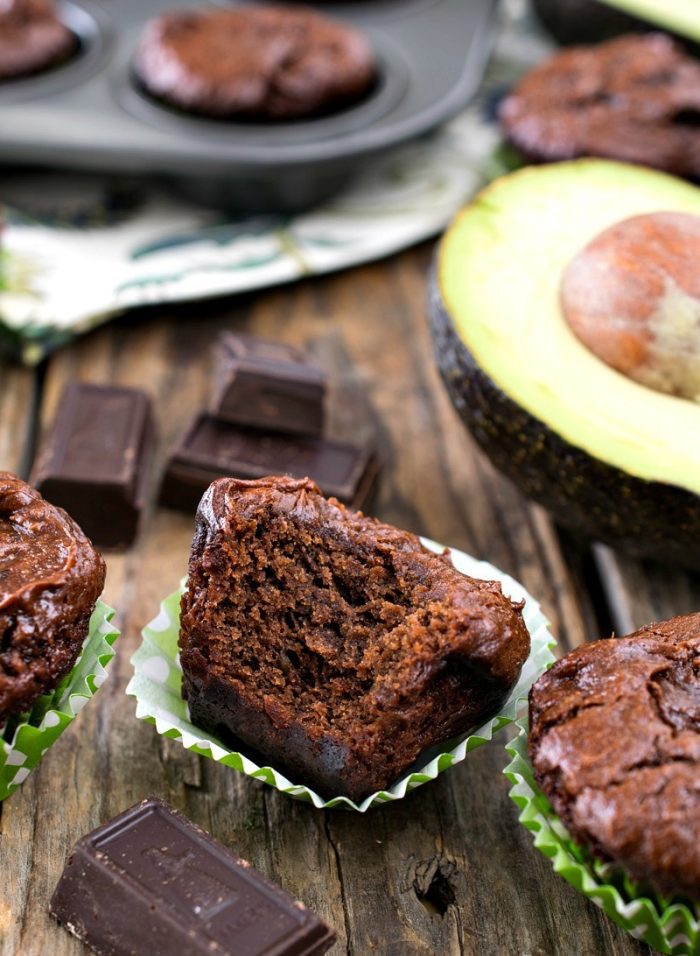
[632,297]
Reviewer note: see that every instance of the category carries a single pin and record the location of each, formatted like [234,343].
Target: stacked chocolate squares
[266,417]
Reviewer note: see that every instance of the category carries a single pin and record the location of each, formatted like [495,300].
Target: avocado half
[588,21]
[606,455]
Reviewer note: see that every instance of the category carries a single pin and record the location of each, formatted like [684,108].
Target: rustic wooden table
[447,870]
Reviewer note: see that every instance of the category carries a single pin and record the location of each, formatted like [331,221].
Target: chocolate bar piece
[152,883]
[267,385]
[94,460]
[214,449]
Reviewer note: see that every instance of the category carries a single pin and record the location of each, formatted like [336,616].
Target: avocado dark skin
[585,21]
[648,519]
[590,21]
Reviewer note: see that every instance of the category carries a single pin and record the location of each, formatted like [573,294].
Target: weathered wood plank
[447,870]
[18,389]
[640,592]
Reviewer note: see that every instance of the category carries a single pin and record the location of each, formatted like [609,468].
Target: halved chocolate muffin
[255,63]
[50,578]
[335,646]
[635,98]
[615,745]
[32,38]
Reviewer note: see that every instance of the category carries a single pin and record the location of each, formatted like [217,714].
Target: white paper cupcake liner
[24,741]
[156,685]
[671,926]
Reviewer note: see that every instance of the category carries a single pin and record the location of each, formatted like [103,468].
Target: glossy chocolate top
[50,578]
[41,547]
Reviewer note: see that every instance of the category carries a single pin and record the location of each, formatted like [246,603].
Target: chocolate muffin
[255,63]
[615,745]
[335,646]
[32,38]
[635,98]
[50,579]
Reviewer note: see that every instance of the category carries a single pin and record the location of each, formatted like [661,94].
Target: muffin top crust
[270,63]
[615,745]
[50,579]
[32,37]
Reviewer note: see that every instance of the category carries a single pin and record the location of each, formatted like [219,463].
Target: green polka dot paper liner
[670,926]
[25,740]
[156,685]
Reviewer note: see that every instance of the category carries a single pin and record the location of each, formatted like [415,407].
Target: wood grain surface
[448,870]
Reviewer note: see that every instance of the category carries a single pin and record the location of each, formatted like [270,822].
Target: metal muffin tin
[90,113]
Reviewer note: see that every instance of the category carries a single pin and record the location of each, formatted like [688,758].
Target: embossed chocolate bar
[151,883]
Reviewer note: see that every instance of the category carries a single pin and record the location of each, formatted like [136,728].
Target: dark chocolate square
[213,449]
[94,460]
[267,385]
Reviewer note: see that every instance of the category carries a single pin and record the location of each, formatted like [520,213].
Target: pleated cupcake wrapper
[156,685]
[25,740]
[670,926]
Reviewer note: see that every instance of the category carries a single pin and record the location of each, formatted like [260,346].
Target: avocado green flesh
[679,16]
[499,269]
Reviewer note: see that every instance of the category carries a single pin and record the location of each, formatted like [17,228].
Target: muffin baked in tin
[33,38]
[244,164]
[256,63]
[635,98]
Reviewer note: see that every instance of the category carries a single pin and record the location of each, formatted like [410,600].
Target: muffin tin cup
[93,34]
[261,139]
[23,743]
[670,926]
[92,114]
[157,680]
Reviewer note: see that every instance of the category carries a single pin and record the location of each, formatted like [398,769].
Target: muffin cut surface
[335,645]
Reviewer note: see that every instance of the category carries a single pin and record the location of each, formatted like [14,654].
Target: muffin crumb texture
[335,645]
